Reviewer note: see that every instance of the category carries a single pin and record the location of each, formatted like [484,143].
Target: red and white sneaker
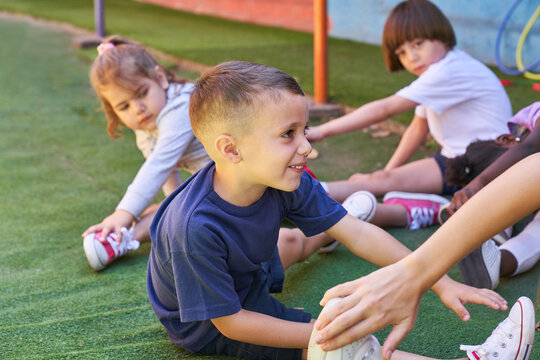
[100,254]
[513,338]
[422,209]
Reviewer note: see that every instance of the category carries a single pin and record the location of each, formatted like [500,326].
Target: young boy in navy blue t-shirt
[214,256]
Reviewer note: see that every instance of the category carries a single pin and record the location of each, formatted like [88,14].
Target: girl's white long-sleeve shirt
[170,147]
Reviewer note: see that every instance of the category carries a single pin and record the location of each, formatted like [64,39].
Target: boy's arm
[362,117]
[260,329]
[411,140]
[391,295]
[529,146]
[368,241]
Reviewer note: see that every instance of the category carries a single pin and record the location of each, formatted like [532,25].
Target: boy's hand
[114,222]
[455,295]
[371,303]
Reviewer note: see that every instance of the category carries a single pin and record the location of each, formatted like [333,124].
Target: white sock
[525,247]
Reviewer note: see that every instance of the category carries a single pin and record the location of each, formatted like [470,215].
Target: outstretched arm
[529,146]
[259,329]
[392,294]
[411,140]
[362,117]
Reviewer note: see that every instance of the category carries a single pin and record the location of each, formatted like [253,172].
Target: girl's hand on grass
[455,295]
[313,133]
[388,296]
[112,223]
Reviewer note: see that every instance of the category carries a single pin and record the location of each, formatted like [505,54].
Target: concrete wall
[476,22]
[290,14]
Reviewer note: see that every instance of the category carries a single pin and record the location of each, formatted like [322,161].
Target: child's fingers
[92,229]
[458,307]
[395,337]
[340,290]
[105,231]
[329,339]
[119,234]
[489,298]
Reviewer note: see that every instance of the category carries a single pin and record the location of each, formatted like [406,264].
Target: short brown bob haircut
[228,96]
[410,20]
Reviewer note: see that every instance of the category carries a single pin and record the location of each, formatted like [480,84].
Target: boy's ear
[226,147]
[162,78]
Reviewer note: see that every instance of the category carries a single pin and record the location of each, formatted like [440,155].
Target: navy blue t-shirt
[206,252]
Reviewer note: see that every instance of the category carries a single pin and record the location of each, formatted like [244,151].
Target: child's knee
[290,241]
[379,175]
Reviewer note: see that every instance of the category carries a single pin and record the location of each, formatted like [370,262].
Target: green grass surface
[356,71]
[59,173]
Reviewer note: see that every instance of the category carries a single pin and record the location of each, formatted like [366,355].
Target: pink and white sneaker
[422,209]
[100,254]
[512,339]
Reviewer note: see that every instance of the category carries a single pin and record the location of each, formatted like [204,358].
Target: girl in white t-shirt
[456,98]
[137,92]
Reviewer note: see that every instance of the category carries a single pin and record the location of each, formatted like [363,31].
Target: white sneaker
[100,254]
[362,205]
[366,348]
[513,338]
[482,266]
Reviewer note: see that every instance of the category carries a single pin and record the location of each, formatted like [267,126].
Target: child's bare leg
[391,215]
[141,232]
[294,246]
[402,355]
[418,176]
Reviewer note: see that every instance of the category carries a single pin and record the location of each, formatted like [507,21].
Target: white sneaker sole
[367,348]
[416,196]
[527,328]
[476,272]
[94,253]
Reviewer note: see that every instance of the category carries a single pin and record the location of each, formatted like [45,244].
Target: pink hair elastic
[104,47]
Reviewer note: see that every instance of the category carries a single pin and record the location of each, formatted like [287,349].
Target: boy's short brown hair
[414,19]
[226,96]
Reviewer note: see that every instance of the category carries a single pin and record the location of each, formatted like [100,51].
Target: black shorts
[447,189]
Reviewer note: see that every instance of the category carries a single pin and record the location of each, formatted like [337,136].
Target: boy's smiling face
[275,149]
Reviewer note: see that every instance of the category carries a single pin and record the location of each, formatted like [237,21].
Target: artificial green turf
[356,71]
[59,173]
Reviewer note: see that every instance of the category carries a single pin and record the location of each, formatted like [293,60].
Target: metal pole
[320,55]
[99,18]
